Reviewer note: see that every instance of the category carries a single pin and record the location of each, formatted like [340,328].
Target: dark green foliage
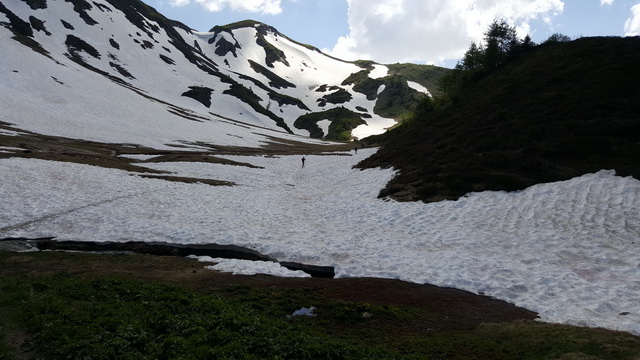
[282,99]
[199,93]
[365,64]
[235,25]
[558,111]
[94,316]
[108,319]
[557,37]
[501,45]
[425,75]
[364,84]
[325,88]
[342,122]
[500,42]
[473,59]
[397,99]
[338,97]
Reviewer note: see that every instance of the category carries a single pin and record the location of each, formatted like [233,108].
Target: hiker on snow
[303,159]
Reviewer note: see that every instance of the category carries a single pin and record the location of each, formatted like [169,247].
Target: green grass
[425,75]
[374,326]
[108,318]
[342,122]
[397,100]
[105,311]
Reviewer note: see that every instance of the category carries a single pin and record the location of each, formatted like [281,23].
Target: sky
[417,31]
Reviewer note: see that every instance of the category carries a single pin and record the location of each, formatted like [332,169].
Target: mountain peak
[247,71]
[247,23]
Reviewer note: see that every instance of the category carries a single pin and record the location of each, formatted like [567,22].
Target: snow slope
[89,60]
[568,250]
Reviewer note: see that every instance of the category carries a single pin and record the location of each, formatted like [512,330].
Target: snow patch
[324,126]
[418,87]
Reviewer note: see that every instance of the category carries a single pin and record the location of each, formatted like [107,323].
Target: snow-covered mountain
[99,59]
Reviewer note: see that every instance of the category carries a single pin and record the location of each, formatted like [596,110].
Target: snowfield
[568,250]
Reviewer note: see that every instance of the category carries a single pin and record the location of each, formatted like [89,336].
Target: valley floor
[569,251]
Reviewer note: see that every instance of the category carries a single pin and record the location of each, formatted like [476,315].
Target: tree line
[500,44]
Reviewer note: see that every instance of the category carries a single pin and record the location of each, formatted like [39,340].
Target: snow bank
[568,250]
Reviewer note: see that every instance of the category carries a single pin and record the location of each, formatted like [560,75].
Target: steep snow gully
[568,250]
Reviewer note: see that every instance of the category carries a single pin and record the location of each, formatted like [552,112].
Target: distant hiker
[356,149]
[303,159]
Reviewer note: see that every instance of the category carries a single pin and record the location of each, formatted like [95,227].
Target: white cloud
[270,7]
[606,2]
[178,2]
[632,25]
[397,30]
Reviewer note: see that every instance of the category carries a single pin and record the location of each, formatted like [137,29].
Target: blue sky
[421,31]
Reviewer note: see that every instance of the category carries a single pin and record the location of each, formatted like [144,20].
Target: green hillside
[558,111]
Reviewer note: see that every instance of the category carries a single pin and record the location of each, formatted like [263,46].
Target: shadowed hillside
[556,112]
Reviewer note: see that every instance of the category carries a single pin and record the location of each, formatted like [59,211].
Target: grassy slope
[560,111]
[425,75]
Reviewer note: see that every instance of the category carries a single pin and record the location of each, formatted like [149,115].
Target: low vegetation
[201,94]
[110,318]
[342,122]
[395,98]
[425,75]
[75,305]
[555,111]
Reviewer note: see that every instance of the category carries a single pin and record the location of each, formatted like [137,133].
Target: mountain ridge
[247,70]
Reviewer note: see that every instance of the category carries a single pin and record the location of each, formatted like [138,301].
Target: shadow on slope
[560,111]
